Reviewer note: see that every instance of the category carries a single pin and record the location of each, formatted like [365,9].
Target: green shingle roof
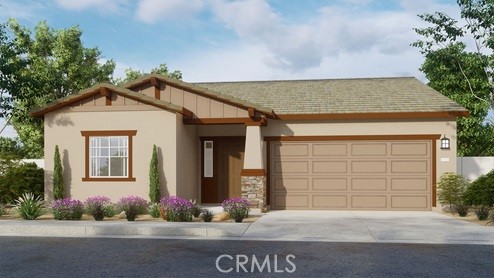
[360,95]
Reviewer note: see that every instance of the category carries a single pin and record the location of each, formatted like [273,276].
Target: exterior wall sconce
[445,143]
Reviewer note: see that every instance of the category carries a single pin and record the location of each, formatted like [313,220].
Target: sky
[228,40]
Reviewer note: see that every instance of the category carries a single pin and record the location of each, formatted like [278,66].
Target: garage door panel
[369,149]
[410,184]
[291,201]
[295,150]
[289,167]
[354,175]
[369,201]
[409,202]
[286,184]
[414,166]
[375,167]
[329,149]
[410,149]
[329,201]
[366,184]
[322,184]
[329,167]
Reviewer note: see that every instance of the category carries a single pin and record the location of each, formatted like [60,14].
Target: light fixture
[444,143]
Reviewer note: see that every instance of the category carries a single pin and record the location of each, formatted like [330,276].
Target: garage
[351,174]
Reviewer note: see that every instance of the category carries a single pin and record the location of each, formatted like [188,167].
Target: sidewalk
[325,226]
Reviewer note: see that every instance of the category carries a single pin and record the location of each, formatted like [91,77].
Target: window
[108,155]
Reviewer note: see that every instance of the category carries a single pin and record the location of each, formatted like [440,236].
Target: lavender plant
[67,209]
[177,209]
[133,206]
[238,208]
[99,207]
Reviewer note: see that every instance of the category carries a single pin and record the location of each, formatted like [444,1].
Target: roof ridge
[316,79]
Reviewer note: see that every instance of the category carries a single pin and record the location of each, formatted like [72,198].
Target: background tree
[10,148]
[462,73]
[56,65]
[154,178]
[131,74]
[58,186]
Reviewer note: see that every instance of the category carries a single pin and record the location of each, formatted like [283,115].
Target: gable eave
[146,79]
[96,89]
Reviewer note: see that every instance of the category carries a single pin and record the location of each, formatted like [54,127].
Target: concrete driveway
[368,226]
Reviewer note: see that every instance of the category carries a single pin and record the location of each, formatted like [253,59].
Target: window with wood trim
[108,155]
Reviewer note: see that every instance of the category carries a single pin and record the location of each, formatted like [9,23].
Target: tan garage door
[351,175]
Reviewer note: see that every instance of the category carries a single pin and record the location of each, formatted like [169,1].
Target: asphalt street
[131,257]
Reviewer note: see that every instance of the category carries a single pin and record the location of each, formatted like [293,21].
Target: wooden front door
[226,157]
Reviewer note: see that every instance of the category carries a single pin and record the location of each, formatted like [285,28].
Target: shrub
[17,178]
[99,207]
[67,209]
[133,206]
[462,209]
[207,215]
[29,206]
[196,210]
[154,178]
[58,187]
[481,191]
[154,210]
[2,209]
[482,212]
[238,208]
[452,188]
[177,209]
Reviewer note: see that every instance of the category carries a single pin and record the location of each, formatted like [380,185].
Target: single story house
[352,144]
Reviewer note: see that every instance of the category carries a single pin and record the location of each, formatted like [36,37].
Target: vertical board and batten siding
[355,175]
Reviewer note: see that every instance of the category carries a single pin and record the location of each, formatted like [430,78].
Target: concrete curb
[52,228]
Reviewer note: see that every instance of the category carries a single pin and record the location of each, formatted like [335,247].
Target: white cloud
[334,31]
[101,5]
[20,10]
[151,11]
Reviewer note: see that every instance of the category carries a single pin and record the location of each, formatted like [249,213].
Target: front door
[222,162]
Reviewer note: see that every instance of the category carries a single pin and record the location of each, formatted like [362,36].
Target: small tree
[58,187]
[154,178]
[452,187]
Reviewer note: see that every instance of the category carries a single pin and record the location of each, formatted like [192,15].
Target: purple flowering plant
[238,208]
[177,209]
[67,209]
[99,207]
[133,206]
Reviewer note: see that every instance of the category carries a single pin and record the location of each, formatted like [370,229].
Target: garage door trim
[432,137]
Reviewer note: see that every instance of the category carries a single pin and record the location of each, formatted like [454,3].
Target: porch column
[254,173]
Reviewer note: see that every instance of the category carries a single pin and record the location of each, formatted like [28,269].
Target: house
[353,144]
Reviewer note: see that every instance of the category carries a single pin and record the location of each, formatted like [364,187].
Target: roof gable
[106,90]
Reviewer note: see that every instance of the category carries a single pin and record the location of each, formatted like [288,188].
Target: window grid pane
[109,156]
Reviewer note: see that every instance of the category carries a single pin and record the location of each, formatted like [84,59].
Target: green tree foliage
[17,178]
[131,74]
[154,178]
[10,148]
[442,69]
[57,65]
[452,188]
[58,185]
[465,75]
[481,191]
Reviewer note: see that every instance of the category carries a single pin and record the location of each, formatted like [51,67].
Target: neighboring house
[371,143]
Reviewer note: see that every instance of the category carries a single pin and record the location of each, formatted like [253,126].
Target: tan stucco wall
[64,128]
[445,159]
[187,153]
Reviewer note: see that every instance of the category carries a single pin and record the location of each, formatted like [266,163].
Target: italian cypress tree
[154,178]
[58,187]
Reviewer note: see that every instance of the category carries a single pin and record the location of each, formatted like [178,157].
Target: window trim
[102,133]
